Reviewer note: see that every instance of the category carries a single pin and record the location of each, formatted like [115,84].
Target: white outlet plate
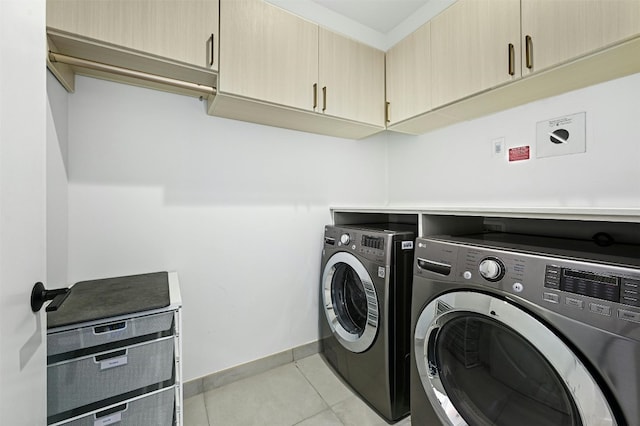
[561,136]
[498,147]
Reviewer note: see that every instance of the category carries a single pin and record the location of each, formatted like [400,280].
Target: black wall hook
[39,295]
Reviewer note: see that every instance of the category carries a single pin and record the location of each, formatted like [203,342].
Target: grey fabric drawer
[155,409]
[81,381]
[107,333]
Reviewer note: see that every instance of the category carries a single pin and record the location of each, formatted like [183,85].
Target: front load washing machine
[524,330]
[366,311]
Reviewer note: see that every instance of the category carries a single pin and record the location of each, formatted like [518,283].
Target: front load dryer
[525,330]
[365,311]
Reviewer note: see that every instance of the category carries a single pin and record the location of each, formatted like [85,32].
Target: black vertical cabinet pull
[212,51]
[528,51]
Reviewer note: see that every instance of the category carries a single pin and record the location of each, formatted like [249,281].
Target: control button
[633,301]
[467,275]
[629,283]
[628,315]
[491,269]
[517,287]
[576,303]
[552,276]
[600,309]
[353,247]
[344,239]
[551,297]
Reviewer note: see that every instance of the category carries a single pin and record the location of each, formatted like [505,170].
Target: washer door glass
[494,376]
[482,360]
[349,299]
[350,302]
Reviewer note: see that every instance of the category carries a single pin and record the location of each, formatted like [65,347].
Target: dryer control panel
[370,243]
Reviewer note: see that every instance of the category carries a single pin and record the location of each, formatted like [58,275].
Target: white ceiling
[378,23]
[379,15]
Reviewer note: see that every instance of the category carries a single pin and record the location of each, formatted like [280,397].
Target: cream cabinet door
[408,75]
[268,54]
[554,31]
[181,30]
[475,46]
[351,79]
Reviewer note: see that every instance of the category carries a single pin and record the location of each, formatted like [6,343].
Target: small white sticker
[113,362]
[381,271]
[407,245]
[104,421]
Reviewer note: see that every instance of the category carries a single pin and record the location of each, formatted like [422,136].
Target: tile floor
[303,393]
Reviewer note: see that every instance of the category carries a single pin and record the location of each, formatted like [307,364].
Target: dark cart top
[111,297]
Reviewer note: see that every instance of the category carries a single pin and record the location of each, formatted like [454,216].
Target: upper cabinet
[490,55]
[269,66]
[279,69]
[268,54]
[408,71]
[554,32]
[475,45]
[180,30]
[350,79]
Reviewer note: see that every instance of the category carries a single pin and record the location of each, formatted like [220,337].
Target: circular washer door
[350,302]
[484,361]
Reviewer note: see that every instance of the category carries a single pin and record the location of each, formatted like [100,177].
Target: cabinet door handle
[212,52]
[315,96]
[529,51]
[387,112]
[324,98]
[512,59]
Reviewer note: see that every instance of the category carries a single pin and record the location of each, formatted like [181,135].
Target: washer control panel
[604,294]
[604,286]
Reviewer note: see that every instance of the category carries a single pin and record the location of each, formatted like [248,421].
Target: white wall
[57,184]
[455,166]
[237,209]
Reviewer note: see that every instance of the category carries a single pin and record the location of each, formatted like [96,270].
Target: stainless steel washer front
[350,302]
[497,364]
[525,330]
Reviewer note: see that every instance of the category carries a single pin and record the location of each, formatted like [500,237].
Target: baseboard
[220,378]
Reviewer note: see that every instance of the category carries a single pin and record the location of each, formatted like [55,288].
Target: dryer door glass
[493,376]
[349,299]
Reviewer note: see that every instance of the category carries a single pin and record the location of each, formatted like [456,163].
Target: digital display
[373,242]
[604,287]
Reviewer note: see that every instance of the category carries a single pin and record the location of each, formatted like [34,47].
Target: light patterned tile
[404,422]
[354,412]
[246,370]
[195,413]
[325,418]
[323,379]
[279,397]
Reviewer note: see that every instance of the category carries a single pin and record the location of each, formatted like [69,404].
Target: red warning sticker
[519,153]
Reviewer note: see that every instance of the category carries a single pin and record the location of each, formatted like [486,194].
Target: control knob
[344,239]
[491,269]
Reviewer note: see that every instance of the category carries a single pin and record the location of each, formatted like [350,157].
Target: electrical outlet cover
[561,136]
